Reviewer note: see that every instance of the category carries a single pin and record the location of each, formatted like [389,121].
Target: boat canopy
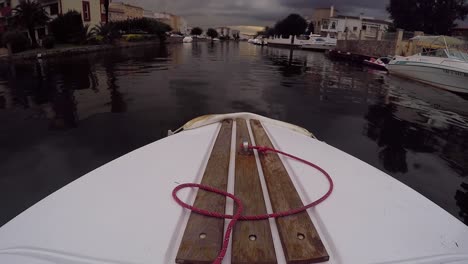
[446,53]
[437,41]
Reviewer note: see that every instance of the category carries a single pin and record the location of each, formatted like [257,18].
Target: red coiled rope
[237,216]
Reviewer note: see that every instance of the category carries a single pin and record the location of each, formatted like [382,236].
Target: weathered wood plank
[299,237]
[251,241]
[203,236]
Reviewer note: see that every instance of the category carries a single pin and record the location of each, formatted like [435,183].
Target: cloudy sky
[255,12]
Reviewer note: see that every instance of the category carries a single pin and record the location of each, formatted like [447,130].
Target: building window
[54,9]
[364,27]
[333,26]
[325,24]
[354,28]
[86,11]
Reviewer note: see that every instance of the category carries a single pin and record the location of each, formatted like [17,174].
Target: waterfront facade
[177,23]
[354,27]
[92,12]
[5,13]
[121,11]
[320,14]
[227,32]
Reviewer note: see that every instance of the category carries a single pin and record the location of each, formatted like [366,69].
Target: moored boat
[318,43]
[380,63]
[124,212]
[442,67]
[187,39]
[308,42]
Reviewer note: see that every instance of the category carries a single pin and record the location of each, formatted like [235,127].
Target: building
[5,13]
[235,33]
[119,11]
[353,27]
[223,31]
[92,11]
[177,23]
[319,14]
[227,32]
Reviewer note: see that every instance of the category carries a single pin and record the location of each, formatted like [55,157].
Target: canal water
[60,119]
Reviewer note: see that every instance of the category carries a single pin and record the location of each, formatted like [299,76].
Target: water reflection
[389,133]
[105,105]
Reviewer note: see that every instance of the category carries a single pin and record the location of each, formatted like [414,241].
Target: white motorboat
[310,42]
[187,39]
[124,212]
[319,43]
[380,63]
[443,67]
[280,41]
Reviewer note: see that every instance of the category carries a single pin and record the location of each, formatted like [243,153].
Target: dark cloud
[256,12]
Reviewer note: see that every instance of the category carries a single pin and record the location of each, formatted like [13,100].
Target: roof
[116,10]
[371,20]
[125,4]
[377,21]
[348,17]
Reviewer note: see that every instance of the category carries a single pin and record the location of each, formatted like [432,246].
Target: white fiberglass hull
[123,212]
[320,47]
[442,76]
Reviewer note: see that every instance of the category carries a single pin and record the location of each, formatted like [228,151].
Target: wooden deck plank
[299,237]
[203,236]
[252,241]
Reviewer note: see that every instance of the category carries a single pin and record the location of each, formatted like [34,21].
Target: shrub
[106,33]
[134,37]
[142,25]
[68,28]
[18,41]
[96,40]
[48,42]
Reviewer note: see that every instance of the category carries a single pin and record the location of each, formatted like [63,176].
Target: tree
[310,28]
[292,25]
[30,14]
[196,31]
[430,16]
[67,28]
[212,33]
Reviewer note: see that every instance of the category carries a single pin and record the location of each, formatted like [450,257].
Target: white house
[352,26]
[92,11]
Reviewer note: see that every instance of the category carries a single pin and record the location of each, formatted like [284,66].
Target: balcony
[325,28]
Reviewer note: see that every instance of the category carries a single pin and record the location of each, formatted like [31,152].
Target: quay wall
[371,48]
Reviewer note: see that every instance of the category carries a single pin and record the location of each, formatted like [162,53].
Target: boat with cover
[438,65]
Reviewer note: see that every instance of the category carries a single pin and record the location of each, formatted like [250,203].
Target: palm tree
[30,14]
